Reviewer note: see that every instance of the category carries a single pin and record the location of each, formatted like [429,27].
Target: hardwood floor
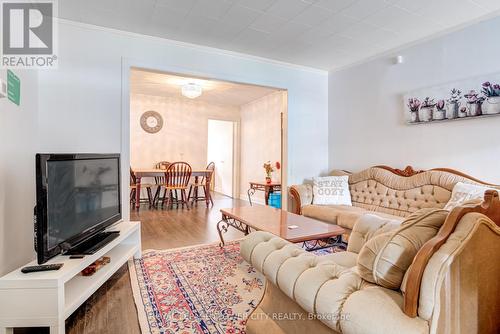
[111,309]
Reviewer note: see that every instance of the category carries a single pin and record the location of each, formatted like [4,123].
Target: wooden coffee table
[314,234]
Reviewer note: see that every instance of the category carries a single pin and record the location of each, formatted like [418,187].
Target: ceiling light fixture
[192,90]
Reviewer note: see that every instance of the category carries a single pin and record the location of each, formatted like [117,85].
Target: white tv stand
[46,299]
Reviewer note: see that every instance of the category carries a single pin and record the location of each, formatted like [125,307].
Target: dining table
[155,172]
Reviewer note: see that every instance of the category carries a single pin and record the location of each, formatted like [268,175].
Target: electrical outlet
[3,89]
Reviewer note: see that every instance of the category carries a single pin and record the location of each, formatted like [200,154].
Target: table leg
[138,192]
[195,191]
[208,195]
[157,196]
[269,190]
[250,193]
[222,226]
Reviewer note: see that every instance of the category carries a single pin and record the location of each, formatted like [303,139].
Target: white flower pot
[425,114]
[473,109]
[414,117]
[452,110]
[439,114]
[491,105]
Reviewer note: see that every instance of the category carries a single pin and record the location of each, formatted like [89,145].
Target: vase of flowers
[452,108]
[269,169]
[440,112]
[491,105]
[414,105]
[426,110]
[474,102]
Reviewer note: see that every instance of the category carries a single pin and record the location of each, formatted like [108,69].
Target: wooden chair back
[177,175]
[133,180]
[161,165]
[211,168]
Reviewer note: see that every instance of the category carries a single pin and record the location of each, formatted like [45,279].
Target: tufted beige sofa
[384,191]
[305,293]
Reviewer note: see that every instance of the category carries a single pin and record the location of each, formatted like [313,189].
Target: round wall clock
[151,121]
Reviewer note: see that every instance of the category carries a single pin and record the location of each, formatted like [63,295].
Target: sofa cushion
[367,227]
[465,192]
[385,258]
[342,215]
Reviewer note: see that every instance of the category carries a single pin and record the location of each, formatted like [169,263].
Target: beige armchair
[434,273]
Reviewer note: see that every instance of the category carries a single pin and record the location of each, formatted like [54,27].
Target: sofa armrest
[302,194]
[489,209]
[266,252]
[459,289]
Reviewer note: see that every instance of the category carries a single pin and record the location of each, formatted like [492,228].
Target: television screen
[78,195]
[81,194]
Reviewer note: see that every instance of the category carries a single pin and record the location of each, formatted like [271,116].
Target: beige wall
[184,133]
[260,139]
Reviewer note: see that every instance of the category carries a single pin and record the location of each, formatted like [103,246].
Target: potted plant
[414,105]
[474,102]
[426,110]
[453,105]
[269,168]
[440,112]
[492,95]
[462,112]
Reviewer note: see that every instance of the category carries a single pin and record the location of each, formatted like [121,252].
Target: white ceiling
[325,34]
[215,92]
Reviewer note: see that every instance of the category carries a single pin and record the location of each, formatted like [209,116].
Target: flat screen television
[77,197]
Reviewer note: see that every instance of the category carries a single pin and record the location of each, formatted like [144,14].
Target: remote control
[43,267]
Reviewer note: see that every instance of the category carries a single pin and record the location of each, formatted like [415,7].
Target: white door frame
[127,65]
[234,171]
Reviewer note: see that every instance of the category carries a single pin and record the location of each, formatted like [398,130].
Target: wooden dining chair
[133,189]
[203,183]
[177,178]
[159,180]
[162,165]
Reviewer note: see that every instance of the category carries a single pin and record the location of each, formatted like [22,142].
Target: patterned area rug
[200,289]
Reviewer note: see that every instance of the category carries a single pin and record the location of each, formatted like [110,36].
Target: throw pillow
[331,190]
[464,192]
[384,259]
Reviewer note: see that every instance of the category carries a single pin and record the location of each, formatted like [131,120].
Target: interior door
[220,151]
